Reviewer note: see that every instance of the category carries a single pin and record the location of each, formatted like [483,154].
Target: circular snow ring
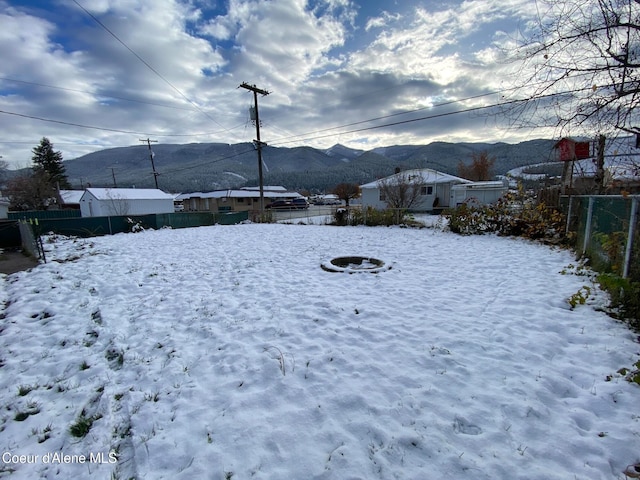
[355,264]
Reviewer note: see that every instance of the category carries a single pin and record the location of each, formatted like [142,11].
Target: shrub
[515,214]
[371,217]
[469,220]
[624,295]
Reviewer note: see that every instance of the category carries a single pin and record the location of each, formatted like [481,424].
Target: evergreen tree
[48,163]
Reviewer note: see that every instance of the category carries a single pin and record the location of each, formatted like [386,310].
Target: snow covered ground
[227,352]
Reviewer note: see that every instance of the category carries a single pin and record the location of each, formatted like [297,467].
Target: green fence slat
[93,226]
[40,214]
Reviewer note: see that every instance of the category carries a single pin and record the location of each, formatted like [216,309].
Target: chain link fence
[31,242]
[606,231]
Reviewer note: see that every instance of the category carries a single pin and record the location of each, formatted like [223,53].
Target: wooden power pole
[151,155]
[257,142]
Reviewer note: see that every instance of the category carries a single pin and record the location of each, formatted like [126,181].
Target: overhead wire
[93,93]
[316,137]
[429,117]
[467,110]
[158,74]
[106,129]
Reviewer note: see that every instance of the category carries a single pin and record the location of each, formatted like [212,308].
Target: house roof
[129,194]
[271,188]
[483,185]
[428,176]
[71,196]
[242,193]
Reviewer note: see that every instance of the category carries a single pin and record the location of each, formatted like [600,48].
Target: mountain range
[214,166]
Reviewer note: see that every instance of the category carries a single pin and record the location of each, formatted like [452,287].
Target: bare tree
[347,191]
[480,168]
[30,192]
[118,205]
[402,190]
[579,70]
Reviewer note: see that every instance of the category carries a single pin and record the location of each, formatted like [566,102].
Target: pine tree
[48,163]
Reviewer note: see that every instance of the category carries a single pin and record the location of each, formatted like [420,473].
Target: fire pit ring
[355,264]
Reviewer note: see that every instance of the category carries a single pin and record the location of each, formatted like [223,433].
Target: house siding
[233,200]
[440,191]
[91,206]
[484,193]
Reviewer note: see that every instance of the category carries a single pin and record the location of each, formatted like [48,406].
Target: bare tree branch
[402,190]
[588,53]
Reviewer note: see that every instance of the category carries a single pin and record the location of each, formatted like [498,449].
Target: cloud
[382,21]
[172,72]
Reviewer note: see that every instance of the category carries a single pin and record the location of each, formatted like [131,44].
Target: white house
[104,202]
[438,190]
[435,189]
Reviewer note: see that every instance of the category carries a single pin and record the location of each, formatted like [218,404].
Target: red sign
[572,150]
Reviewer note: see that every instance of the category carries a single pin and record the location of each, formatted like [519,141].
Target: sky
[96,74]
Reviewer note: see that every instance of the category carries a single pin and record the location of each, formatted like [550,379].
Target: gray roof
[428,176]
[129,194]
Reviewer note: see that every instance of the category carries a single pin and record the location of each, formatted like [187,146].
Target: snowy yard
[226,352]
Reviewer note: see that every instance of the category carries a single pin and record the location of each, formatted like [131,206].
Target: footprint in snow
[462,425]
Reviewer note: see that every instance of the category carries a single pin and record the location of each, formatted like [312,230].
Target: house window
[383,197]
[240,200]
[426,190]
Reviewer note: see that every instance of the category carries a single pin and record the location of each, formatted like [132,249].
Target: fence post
[587,228]
[630,235]
[569,213]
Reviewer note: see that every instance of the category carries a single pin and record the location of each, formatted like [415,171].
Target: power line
[96,94]
[147,64]
[430,117]
[379,126]
[197,165]
[32,117]
[449,102]
[61,122]
[312,137]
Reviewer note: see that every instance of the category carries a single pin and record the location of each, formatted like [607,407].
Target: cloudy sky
[95,74]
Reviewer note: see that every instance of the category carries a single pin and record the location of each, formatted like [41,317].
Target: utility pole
[151,155]
[113,174]
[257,142]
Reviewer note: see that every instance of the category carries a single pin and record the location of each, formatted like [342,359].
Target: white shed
[483,193]
[104,202]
